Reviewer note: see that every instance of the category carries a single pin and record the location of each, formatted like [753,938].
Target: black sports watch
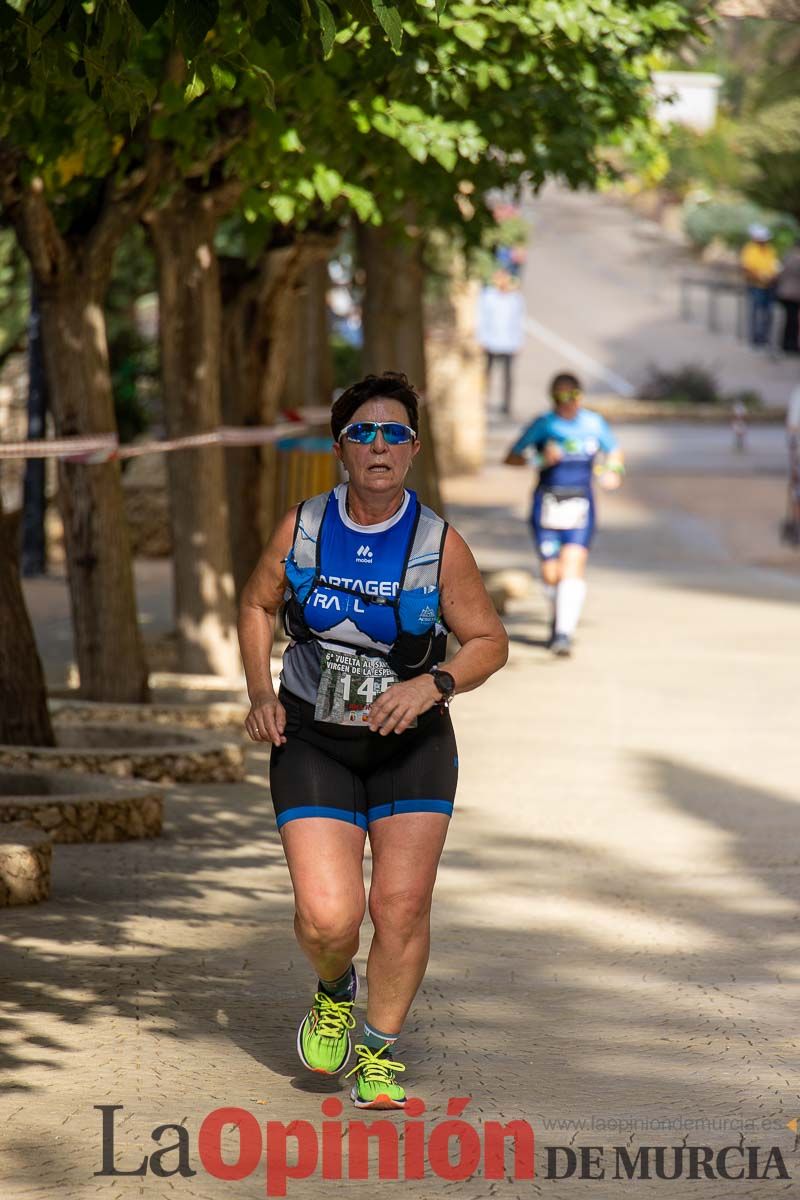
[446,685]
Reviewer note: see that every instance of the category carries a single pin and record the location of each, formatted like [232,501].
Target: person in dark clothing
[787,290]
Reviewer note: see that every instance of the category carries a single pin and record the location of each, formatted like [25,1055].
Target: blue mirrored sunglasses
[365,432]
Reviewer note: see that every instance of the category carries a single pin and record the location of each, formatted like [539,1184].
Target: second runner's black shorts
[355,775]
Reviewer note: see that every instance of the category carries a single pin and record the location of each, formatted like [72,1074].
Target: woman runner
[567,442]
[362,742]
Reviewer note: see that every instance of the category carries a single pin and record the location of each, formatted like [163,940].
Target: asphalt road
[602,291]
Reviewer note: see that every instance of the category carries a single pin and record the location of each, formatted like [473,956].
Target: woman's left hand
[399,705]
[610,481]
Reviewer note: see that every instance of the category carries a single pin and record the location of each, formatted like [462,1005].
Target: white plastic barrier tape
[105,447]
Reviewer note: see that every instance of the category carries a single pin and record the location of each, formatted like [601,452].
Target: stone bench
[163,754]
[26,854]
[217,714]
[72,807]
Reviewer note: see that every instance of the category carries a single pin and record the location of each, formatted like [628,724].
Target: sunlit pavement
[602,287]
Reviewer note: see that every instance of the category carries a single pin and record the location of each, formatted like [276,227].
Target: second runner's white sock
[570,596]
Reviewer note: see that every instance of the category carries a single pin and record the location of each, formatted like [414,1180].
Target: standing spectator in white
[501,329]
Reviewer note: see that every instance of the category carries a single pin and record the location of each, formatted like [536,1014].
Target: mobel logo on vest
[364,555]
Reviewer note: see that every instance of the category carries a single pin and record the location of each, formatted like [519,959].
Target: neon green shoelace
[374,1068]
[334,1016]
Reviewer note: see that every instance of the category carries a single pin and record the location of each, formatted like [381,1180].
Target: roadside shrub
[712,159]
[729,220]
[691,384]
[684,385]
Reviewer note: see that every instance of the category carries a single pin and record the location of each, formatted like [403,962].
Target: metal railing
[715,288]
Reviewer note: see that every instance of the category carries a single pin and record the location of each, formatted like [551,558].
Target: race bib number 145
[348,686]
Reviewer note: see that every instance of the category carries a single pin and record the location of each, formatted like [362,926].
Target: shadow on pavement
[502,984]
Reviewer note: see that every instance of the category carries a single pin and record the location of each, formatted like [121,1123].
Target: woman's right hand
[551,454]
[266,720]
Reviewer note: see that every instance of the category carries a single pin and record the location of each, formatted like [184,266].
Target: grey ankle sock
[338,988]
[374,1039]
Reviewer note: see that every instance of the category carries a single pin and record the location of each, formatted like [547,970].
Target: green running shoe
[375,1086]
[323,1039]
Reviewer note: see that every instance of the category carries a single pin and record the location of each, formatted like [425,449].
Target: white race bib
[565,512]
[348,686]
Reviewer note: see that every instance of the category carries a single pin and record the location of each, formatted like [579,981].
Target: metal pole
[713,323]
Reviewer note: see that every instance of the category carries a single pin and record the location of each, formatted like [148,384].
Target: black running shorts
[355,775]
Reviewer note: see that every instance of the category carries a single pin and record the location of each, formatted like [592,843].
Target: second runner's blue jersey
[580,440]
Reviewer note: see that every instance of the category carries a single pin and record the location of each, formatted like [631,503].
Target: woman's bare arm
[470,614]
[261,598]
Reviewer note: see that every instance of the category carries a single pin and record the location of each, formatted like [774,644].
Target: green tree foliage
[755,148]
[492,94]
[713,159]
[771,126]
[309,103]
[14,293]
[771,142]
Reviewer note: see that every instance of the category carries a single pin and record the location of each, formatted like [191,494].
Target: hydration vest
[407,609]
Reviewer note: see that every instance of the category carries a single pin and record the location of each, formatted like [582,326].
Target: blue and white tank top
[349,592]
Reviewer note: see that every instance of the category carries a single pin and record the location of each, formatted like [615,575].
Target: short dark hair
[565,379]
[391,385]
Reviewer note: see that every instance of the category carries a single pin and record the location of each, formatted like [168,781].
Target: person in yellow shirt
[760,264]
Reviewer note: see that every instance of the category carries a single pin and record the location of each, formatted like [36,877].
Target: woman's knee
[401,911]
[330,924]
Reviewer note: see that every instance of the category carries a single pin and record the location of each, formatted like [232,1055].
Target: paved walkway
[602,288]
[615,930]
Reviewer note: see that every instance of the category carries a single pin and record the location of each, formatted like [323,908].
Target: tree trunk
[258,307]
[456,375]
[72,273]
[24,719]
[189,336]
[310,382]
[108,644]
[34,502]
[394,333]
